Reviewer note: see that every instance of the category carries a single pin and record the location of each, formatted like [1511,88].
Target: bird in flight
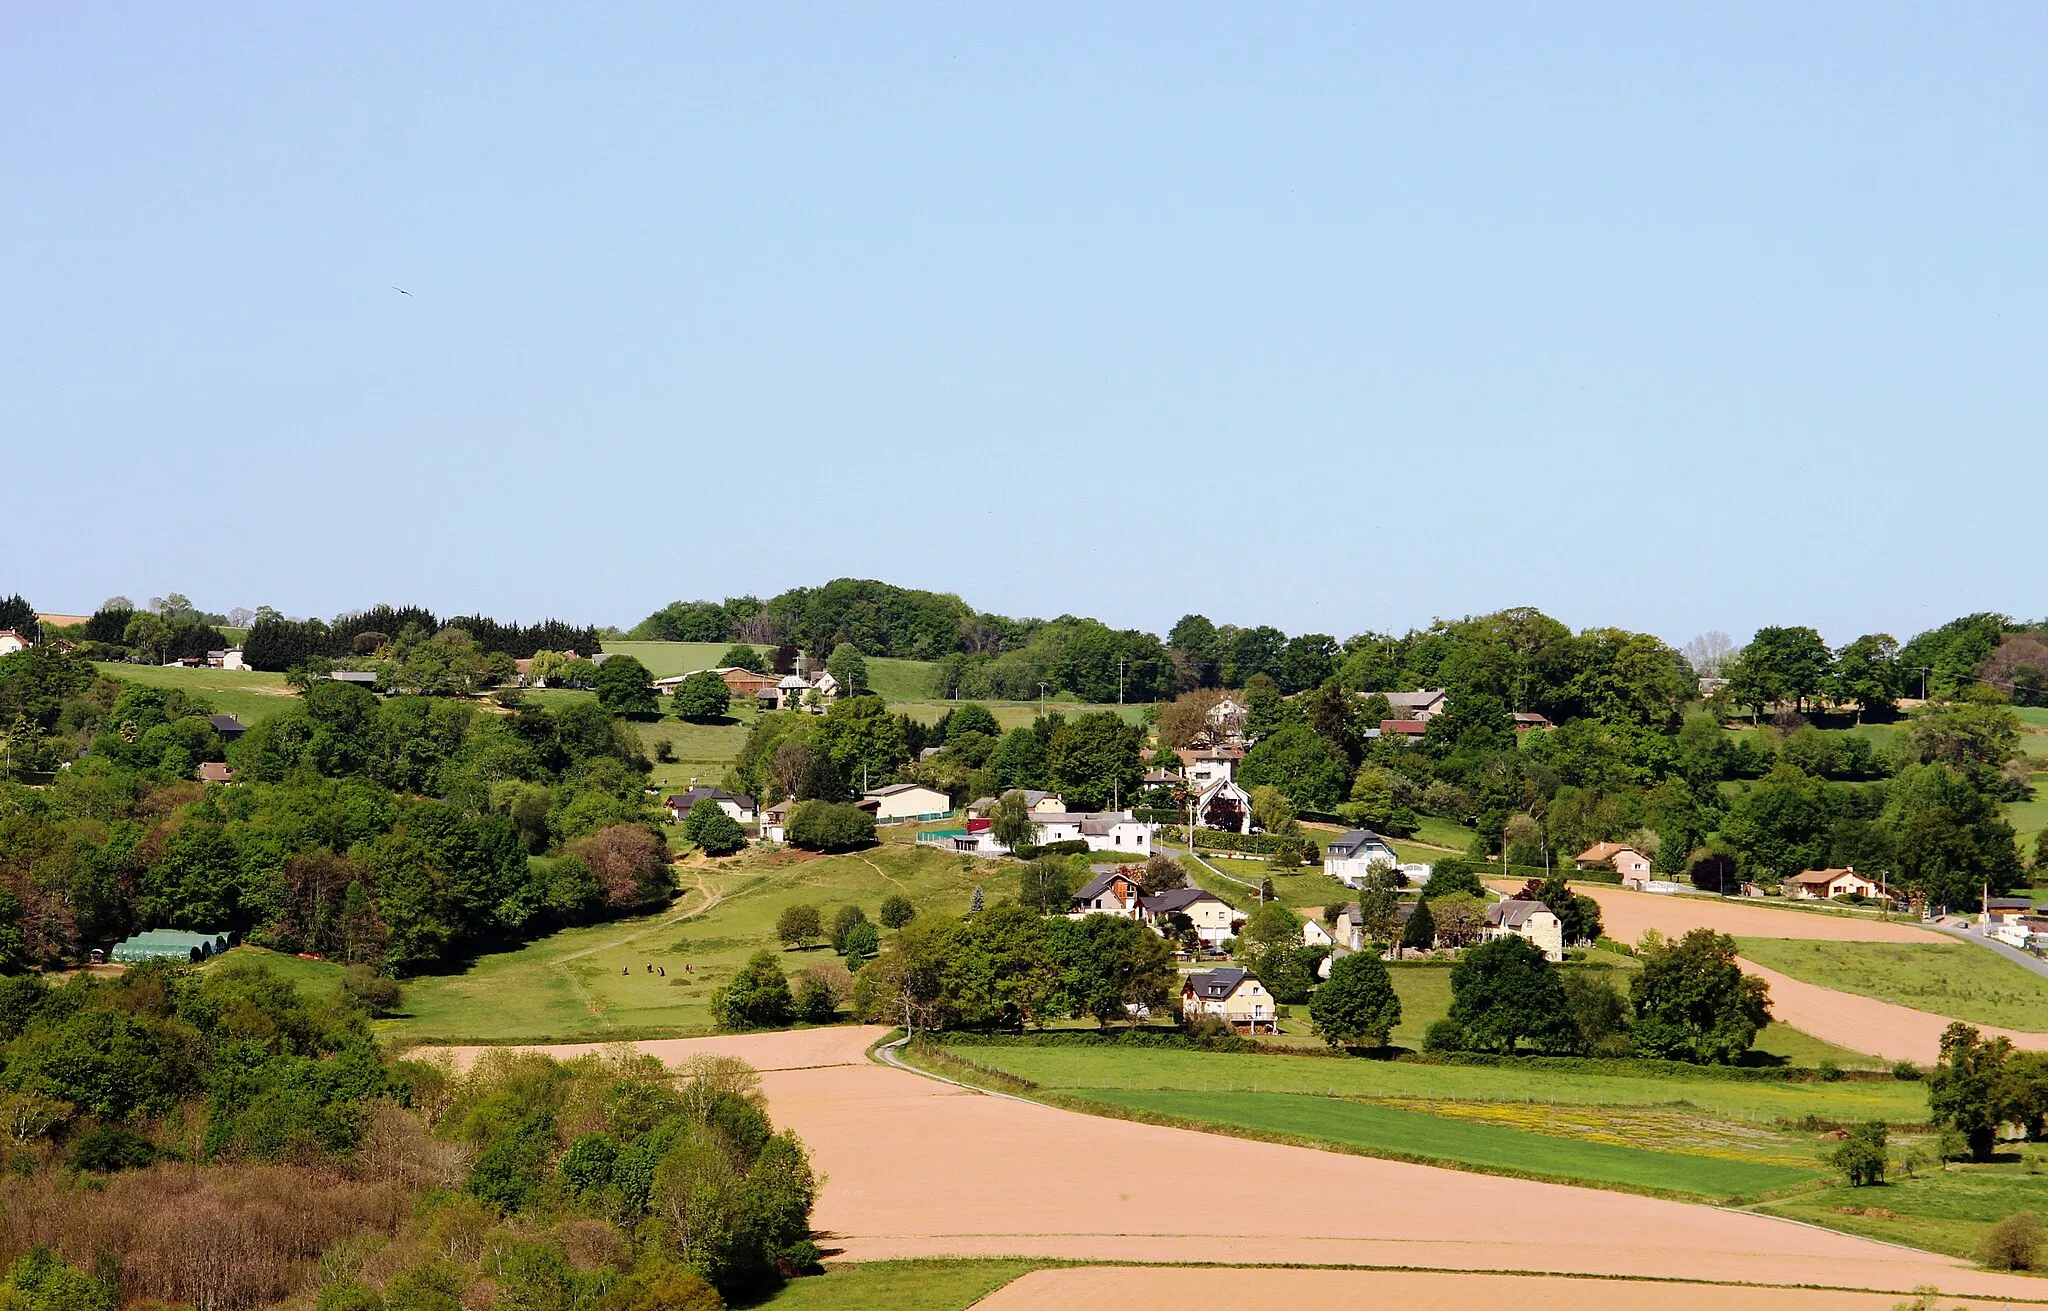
[401,291]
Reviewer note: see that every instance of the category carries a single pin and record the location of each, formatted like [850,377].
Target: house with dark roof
[1114,891]
[1214,920]
[1349,858]
[1234,994]
[227,726]
[736,804]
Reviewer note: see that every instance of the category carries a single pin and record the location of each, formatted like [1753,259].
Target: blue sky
[1328,316]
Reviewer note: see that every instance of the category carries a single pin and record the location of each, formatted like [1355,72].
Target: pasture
[247,695]
[1938,1209]
[1956,979]
[1389,1131]
[594,983]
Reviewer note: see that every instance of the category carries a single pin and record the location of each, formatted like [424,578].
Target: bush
[817,1002]
[1357,1005]
[2014,1243]
[861,945]
[1906,1070]
[1070,847]
[1444,1036]
[108,1150]
[897,911]
[703,695]
[375,993]
[708,826]
[829,826]
[757,998]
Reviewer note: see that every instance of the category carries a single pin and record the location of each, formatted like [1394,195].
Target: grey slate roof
[1098,885]
[1215,985]
[1350,844]
[1161,903]
[695,795]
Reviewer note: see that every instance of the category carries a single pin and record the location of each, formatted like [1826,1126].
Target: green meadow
[1380,1130]
[594,983]
[245,694]
[1956,979]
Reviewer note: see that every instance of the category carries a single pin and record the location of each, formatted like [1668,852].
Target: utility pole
[1041,700]
[1119,680]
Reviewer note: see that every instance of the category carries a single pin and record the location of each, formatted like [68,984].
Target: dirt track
[1104,1288]
[918,1168]
[1627,914]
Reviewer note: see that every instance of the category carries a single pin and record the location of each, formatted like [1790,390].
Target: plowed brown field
[915,1167]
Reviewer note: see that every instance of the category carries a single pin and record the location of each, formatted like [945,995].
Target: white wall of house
[1352,872]
[917,803]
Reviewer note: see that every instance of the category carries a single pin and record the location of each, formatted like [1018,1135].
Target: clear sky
[1328,316]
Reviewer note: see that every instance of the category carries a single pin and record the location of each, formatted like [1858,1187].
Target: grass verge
[929,1285]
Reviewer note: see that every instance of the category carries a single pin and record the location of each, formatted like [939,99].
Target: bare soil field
[1628,914]
[1865,1024]
[1102,1288]
[918,1168]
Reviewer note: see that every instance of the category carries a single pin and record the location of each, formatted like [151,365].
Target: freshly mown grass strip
[928,1285]
[1955,979]
[1086,1070]
[1414,1136]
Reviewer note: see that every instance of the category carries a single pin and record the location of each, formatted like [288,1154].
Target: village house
[738,805]
[1632,865]
[741,683]
[907,801]
[1403,728]
[1348,859]
[1822,884]
[1113,891]
[1348,932]
[1526,720]
[227,726]
[1035,801]
[775,821]
[1215,920]
[213,771]
[1202,766]
[11,641]
[1226,719]
[2005,909]
[1529,920]
[1111,830]
[1418,706]
[1225,806]
[1234,994]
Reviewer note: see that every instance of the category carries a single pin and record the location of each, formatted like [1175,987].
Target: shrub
[757,998]
[1068,847]
[2014,1243]
[817,1002]
[1906,1070]
[829,826]
[861,945]
[376,994]
[897,911]
[107,1149]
